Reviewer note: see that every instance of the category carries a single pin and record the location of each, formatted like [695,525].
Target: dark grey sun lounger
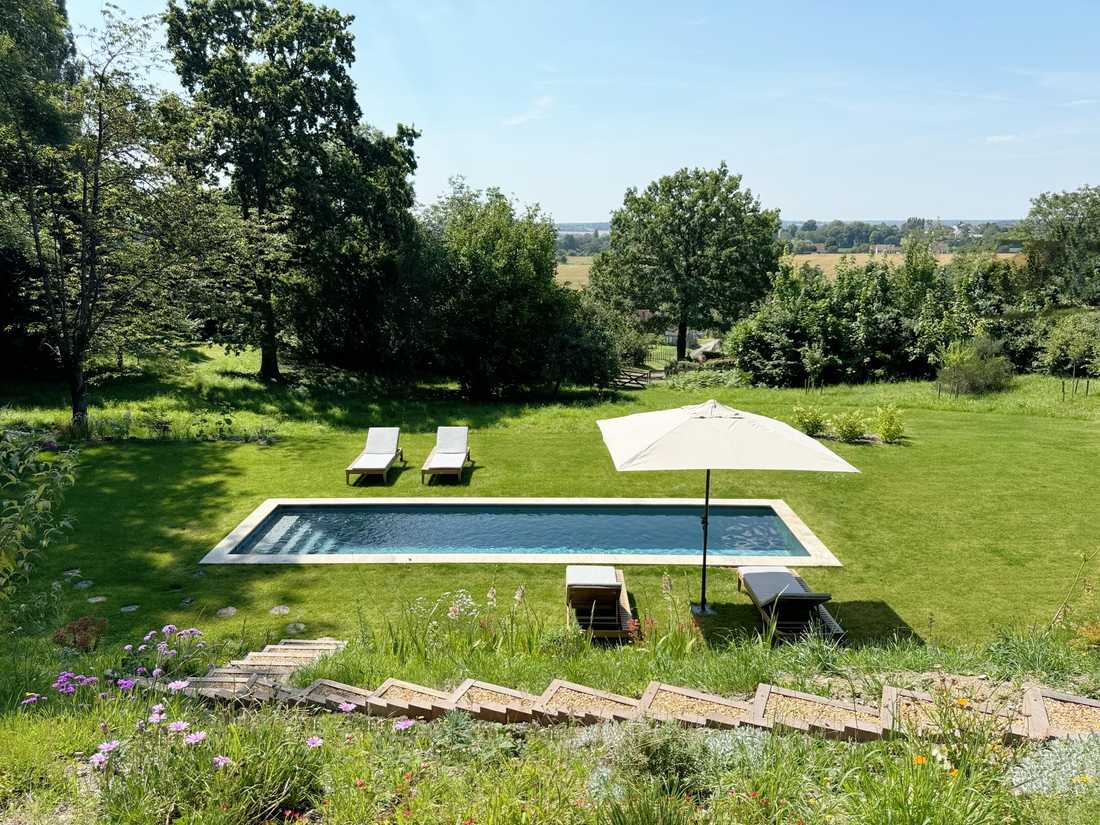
[786,599]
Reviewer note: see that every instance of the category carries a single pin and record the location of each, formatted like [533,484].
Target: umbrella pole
[701,609]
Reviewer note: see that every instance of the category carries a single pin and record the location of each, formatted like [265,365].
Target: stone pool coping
[819,554]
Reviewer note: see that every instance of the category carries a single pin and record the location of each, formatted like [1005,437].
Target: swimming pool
[556,531]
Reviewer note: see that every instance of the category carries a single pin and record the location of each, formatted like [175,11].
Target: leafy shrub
[1063,766]
[973,368]
[31,491]
[849,426]
[707,379]
[667,753]
[888,424]
[811,420]
[157,421]
[83,634]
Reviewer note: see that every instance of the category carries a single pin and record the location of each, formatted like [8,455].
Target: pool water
[311,530]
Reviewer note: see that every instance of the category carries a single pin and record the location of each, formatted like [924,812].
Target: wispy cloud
[1002,138]
[1082,101]
[539,108]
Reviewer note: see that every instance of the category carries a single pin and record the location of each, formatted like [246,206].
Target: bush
[82,634]
[811,420]
[706,379]
[674,756]
[973,368]
[849,426]
[888,424]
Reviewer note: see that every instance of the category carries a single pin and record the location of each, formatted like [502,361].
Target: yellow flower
[954,772]
[919,759]
[962,701]
[1082,779]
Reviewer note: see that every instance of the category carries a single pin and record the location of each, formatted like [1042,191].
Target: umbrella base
[700,610]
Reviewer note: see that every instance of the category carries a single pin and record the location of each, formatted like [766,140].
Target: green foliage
[694,247]
[973,367]
[500,320]
[31,492]
[811,420]
[849,426]
[1073,347]
[1062,239]
[888,424]
[1066,766]
[668,754]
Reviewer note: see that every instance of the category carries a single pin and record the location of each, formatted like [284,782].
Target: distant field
[575,272]
[828,260]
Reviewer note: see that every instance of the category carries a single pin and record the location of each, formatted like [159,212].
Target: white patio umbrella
[712,436]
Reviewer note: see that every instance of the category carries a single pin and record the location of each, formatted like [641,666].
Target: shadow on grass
[866,623]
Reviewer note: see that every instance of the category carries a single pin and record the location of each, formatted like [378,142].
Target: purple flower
[168,629]
[107,747]
[157,708]
[178,726]
[128,648]
[162,648]
[178,684]
[98,760]
[314,742]
[140,726]
[189,632]
[403,724]
[195,738]
[143,671]
[157,672]
[124,684]
[149,636]
[222,762]
[141,648]
[155,718]
[33,699]
[346,707]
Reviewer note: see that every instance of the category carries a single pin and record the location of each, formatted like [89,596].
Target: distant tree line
[859,236]
[581,243]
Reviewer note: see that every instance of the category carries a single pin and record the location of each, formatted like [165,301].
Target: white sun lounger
[449,455]
[596,598]
[379,454]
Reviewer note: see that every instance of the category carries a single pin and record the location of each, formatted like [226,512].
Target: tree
[84,174]
[270,81]
[500,320]
[1062,241]
[693,246]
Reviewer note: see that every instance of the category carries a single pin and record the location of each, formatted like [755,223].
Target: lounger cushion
[382,440]
[446,461]
[452,440]
[590,575]
[372,461]
[765,587]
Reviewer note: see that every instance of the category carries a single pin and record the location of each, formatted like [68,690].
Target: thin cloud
[1002,138]
[540,108]
[1084,101]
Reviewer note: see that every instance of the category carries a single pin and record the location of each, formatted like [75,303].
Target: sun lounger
[596,598]
[379,454]
[449,455]
[786,599]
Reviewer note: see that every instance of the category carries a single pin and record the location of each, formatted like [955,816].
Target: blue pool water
[305,530]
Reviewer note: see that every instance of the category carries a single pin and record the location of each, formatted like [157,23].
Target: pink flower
[125,684]
[128,648]
[222,762]
[178,684]
[346,707]
[314,742]
[156,718]
[403,724]
[195,738]
[33,699]
[178,727]
[107,747]
[98,760]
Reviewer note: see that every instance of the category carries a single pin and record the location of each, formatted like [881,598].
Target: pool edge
[819,554]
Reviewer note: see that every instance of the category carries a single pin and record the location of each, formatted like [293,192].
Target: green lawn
[978,520]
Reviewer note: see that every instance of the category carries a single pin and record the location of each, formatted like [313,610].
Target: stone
[72,574]
[226,612]
[129,608]
[84,584]
[97,599]
[279,610]
[187,601]
[295,627]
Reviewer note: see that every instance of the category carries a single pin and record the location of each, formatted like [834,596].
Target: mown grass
[978,520]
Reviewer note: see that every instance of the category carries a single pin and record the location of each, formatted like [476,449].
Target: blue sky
[851,110]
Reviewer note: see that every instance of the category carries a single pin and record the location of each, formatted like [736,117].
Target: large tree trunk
[681,339]
[269,345]
[78,396]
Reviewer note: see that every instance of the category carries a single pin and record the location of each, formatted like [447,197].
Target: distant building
[885,248]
